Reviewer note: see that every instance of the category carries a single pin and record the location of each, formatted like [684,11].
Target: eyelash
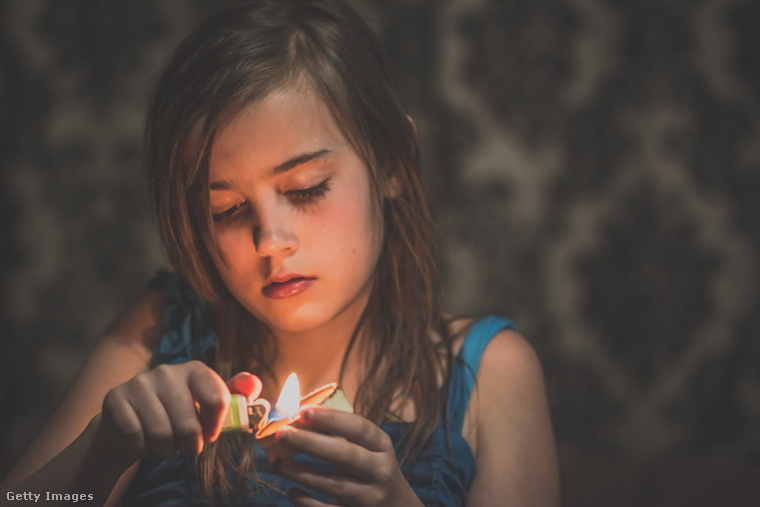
[307,195]
[228,213]
[300,196]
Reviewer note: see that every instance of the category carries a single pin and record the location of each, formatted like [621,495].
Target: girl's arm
[515,452]
[124,351]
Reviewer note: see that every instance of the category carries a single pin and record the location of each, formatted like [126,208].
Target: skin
[118,411]
[317,219]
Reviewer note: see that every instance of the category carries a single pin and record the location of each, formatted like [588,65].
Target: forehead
[282,124]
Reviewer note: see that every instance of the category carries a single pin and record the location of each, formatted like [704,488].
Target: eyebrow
[280,168]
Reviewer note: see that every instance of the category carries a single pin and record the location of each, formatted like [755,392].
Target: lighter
[244,418]
[260,418]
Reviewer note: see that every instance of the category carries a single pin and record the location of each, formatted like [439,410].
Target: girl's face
[298,231]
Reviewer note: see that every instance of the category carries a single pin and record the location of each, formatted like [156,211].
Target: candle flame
[289,401]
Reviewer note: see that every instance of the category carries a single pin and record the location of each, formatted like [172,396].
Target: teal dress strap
[466,364]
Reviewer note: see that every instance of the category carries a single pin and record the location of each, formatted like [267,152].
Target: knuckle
[351,453]
[160,436]
[114,408]
[133,438]
[341,488]
[112,399]
[188,429]
[162,371]
[196,366]
[385,471]
[141,382]
[376,497]
[385,441]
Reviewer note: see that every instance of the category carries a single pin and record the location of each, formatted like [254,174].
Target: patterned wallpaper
[592,165]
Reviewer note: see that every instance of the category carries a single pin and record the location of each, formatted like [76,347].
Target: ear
[392,186]
[393,182]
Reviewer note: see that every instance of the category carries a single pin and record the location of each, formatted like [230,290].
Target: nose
[273,235]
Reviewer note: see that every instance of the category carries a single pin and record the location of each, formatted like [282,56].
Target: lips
[287,286]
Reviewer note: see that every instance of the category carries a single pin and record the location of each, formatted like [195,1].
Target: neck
[316,356]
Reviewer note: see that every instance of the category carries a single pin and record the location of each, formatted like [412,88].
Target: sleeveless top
[440,476]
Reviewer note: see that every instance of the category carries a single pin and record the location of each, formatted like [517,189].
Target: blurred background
[593,166]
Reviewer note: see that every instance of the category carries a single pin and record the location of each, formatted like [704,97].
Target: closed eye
[299,196]
[307,195]
[229,213]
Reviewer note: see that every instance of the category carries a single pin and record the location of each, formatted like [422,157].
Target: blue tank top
[440,476]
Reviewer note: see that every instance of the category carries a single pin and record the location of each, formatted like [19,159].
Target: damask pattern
[593,167]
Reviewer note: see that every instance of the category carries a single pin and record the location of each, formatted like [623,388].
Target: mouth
[285,287]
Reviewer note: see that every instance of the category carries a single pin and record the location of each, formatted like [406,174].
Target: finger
[351,426]
[156,426]
[180,407]
[213,398]
[339,487]
[246,384]
[344,456]
[118,416]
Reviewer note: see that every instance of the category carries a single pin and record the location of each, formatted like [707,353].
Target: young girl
[286,181]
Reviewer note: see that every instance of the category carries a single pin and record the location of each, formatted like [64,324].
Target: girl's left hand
[366,473]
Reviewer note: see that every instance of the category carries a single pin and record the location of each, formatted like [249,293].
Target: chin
[295,320]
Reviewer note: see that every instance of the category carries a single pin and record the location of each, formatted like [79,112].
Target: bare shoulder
[508,354]
[514,444]
[509,364]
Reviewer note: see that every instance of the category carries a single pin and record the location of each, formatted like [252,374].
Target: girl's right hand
[154,414]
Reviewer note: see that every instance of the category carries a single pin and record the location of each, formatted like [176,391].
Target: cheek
[232,249]
[353,229]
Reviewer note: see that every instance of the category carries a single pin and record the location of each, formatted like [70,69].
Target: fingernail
[307,415]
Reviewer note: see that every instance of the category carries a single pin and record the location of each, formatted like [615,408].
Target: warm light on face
[291,197]
[289,401]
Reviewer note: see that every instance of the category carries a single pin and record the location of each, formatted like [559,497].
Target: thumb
[246,384]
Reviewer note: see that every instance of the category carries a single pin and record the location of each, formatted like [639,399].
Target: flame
[289,401]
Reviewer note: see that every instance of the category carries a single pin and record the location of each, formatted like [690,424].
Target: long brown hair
[238,56]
